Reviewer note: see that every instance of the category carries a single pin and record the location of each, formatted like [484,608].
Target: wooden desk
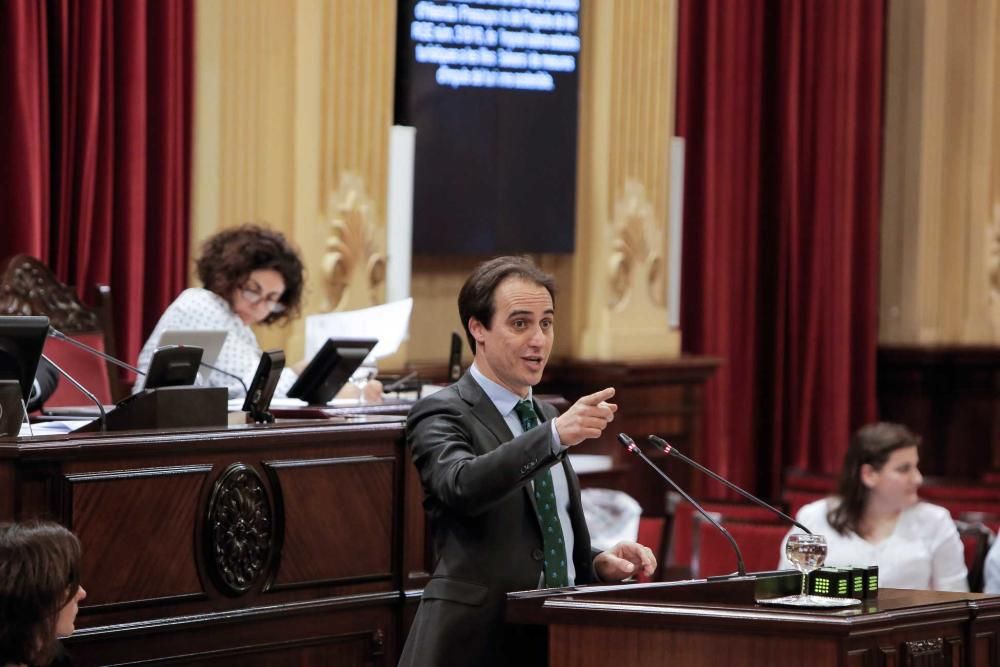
[254,545]
[718,623]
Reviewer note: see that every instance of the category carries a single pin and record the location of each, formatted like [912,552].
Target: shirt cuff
[557,447]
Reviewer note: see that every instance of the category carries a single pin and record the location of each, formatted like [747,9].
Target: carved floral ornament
[239,535]
[351,250]
[637,248]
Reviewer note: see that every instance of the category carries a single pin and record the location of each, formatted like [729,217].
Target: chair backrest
[759,542]
[28,287]
[794,499]
[682,513]
[651,535]
[976,541]
[810,481]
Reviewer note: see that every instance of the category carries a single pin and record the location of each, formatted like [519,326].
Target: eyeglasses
[253,293]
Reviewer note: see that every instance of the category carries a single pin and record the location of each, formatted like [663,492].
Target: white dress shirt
[991,573]
[198,308]
[505,400]
[923,552]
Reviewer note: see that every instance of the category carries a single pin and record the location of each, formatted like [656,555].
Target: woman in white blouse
[251,276]
[877,518]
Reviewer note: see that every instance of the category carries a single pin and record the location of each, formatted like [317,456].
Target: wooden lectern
[690,623]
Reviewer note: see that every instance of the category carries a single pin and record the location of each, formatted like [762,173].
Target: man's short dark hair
[476,298]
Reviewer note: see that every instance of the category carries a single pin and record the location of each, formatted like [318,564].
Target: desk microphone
[103,418]
[630,445]
[246,392]
[670,450]
[59,335]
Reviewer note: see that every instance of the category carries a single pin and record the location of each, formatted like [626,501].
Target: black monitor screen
[491,88]
[264,382]
[330,369]
[22,338]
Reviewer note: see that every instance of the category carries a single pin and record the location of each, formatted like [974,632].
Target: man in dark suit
[503,500]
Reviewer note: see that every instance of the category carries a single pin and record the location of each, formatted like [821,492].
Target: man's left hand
[623,560]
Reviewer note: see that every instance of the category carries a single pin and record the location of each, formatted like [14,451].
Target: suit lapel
[482,408]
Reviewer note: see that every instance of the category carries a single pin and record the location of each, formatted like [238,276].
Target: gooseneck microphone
[227,374]
[86,392]
[59,335]
[630,445]
[670,450]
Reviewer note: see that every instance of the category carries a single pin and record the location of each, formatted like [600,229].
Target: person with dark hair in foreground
[877,518]
[251,275]
[39,591]
[503,499]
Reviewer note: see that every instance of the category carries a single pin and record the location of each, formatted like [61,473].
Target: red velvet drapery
[95,130]
[780,102]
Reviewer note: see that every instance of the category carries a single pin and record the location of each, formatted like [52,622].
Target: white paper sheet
[389,323]
[52,427]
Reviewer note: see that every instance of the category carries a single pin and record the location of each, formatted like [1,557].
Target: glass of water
[365,373]
[806,552]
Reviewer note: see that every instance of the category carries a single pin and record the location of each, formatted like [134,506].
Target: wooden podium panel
[251,545]
[719,623]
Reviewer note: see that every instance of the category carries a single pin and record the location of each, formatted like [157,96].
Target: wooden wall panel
[148,514]
[352,537]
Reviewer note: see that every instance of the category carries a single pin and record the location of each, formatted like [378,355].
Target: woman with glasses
[250,276]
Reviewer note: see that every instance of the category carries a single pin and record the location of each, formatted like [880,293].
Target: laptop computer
[209,340]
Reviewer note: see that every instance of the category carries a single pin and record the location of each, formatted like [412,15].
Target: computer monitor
[209,340]
[22,338]
[262,387]
[173,366]
[330,369]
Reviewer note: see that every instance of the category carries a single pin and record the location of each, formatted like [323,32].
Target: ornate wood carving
[634,258]
[924,653]
[351,247]
[28,287]
[239,539]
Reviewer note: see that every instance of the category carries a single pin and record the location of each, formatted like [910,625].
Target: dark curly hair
[39,575]
[872,444]
[229,257]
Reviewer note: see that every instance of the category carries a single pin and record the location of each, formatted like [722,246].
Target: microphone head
[628,442]
[661,443]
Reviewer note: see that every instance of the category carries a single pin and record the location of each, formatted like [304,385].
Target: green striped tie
[548,515]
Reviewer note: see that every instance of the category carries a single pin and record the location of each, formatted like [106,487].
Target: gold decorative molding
[619,281]
[941,175]
[636,233]
[352,251]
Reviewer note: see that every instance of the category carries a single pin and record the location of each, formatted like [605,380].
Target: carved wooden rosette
[239,534]
[353,262]
[635,262]
[29,288]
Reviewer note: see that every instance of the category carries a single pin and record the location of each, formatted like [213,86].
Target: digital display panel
[492,88]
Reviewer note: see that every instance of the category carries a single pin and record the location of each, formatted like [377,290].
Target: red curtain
[780,102]
[96,138]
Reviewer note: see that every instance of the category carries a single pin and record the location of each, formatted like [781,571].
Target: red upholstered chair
[651,535]
[794,499]
[810,481]
[27,287]
[681,526]
[712,555]
[976,540]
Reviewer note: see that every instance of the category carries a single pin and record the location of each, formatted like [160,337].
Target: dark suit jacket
[48,379]
[487,538]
